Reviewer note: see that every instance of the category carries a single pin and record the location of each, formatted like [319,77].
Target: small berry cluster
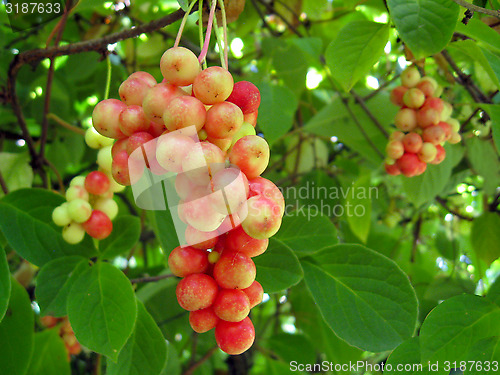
[199,126]
[65,331]
[424,124]
[89,206]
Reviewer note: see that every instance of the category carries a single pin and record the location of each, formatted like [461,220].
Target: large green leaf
[102,310]
[4,283]
[16,331]
[164,229]
[424,188]
[277,110]
[494,291]
[54,282]
[292,347]
[405,359]
[451,329]
[291,66]
[278,268]
[26,222]
[49,355]
[485,237]
[484,161]
[480,31]
[359,208]
[358,46]
[494,112]
[16,170]
[307,231]
[125,234]
[364,297]
[145,351]
[482,357]
[426,26]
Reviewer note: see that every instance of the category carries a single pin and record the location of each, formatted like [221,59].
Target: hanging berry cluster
[89,206]
[199,126]
[65,332]
[424,125]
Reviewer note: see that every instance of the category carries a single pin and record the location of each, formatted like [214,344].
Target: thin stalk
[204,50]
[224,28]
[108,77]
[219,43]
[183,23]
[200,28]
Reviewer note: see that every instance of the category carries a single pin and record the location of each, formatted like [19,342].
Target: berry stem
[108,78]
[204,50]
[183,23]
[219,43]
[200,28]
[224,27]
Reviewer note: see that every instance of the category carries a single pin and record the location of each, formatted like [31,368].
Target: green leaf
[183,4]
[306,232]
[357,48]
[480,31]
[49,355]
[164,229]
[485,237]
[26,222]
[102,309]
[360,200]
[291,66]
[426,26]
[444,287]
[145,351]
[4,284]
[364,297]
[54,282]
[16,331]
[16,170]
[447,247]
[484,161]
[126,233]
[277,110]
[172,364]
[471,49]
[494,291]
[455,325]
[406,354]
[278,268]
[481,354]
[424,188]
[494,112]
[292,347]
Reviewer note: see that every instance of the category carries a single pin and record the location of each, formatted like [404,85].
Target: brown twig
[369,113]
[416,236]
[198,363]
[5,189]
[444,204]
[151,279]
[64,124]
[475,8]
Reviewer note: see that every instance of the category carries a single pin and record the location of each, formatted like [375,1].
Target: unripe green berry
[79,210]
[60,215]
[73,233]
[76,192]
[96,140]
[104,159]
[108,206]
[77,181]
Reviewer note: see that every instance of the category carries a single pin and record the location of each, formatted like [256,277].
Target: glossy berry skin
[200,240]
[251,155]
[119,168]
[231,305]
[135,141]
[412,142]
[213,85]
[105,118]
[223,120]
[73,233]
[414,98]
[60,215]
[196,292]
[238,241]
[255,293]
[133,90]
[234,271]
[157,99]
[427,116]
[427,153]
[263,187]
[393,169]
[263,219]
[394,149]
[79,210]
[97,183]
[179,66]
[204,320]
[410,77]
[184,111]
[406,119]
[397,95]
[235,338]
[434,134]
[98,226]
[132,119]
[246,96]
[408,164]
[440,155]
[170,150]
[185,261]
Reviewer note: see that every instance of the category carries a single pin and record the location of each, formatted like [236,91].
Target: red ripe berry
[137,140]
[185,261]
[235,338]
[97,183]
[408,164]
[447,129]
[119,145]
[238,241]
[234,271]
[198,239]
[412,142]
[434,134]
[203,320]
[441,154]
[196,292]
[393,169]
[427,116]
[255,293]
[119,168]
[231,305]
[397,95]
[246,96]
[99,225]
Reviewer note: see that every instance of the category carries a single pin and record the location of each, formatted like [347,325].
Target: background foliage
[411,280]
